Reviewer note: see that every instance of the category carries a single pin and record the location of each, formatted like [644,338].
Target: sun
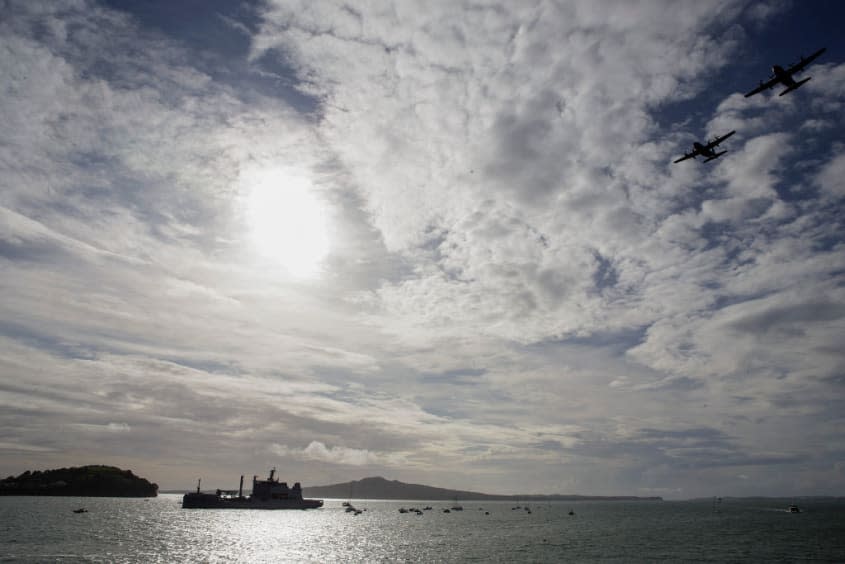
[286,219]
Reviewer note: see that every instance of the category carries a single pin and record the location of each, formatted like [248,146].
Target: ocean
[45,529]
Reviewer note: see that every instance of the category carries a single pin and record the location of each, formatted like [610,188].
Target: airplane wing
[805,61]
[686,156]
[764,86]
[718,140]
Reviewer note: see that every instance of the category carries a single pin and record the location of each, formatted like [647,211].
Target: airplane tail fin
[716,156]
[795,86]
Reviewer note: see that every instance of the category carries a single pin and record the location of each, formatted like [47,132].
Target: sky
[440,242]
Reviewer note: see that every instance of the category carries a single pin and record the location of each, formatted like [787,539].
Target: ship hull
[210,501]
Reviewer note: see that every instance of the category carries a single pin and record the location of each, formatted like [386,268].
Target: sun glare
[286,220]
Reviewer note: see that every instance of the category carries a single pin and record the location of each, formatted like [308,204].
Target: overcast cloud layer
[518,293]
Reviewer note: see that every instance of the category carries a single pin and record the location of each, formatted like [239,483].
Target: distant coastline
[86,481]
[381,488]
[836,498]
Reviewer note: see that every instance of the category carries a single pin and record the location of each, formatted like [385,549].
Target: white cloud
[338,455]
[317,451]
[517,273]
[830,177]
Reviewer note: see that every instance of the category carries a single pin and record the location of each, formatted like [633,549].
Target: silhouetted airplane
[784,76]
[706,150]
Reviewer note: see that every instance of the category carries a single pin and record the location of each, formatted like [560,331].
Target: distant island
[89,481]
[381,488]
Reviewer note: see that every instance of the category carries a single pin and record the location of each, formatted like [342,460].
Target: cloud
[830,176]
[517,280]
[334,455]
[340,455]
[100,428]
[9,446]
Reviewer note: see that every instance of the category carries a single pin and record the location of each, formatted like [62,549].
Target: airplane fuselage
[702,150]
[784,77]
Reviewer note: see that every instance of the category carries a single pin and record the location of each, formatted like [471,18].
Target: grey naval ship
[266,494]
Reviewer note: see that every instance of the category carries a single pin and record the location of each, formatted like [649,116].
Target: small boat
[446,510]
[80,510]
[571,512]
[793,509]
[348,502]
[402,510]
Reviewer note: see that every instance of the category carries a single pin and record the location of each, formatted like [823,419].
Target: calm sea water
[44,529]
